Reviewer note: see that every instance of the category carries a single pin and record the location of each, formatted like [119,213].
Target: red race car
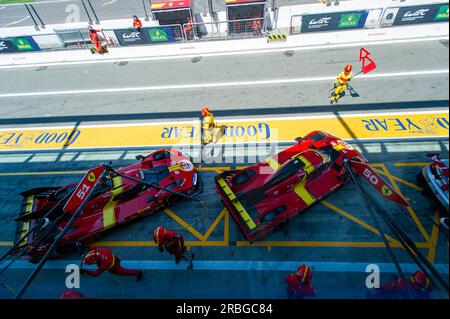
[263,196]
[156,181]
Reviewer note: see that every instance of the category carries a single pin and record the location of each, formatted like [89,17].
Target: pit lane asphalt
[219,71]
[56,12]
[332,235]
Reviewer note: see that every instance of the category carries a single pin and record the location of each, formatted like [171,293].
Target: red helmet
[91,257]
[159,235]
[304,274]
[205,111]
[420,279]
[348,68]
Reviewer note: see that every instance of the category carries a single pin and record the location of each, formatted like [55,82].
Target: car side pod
[235,207]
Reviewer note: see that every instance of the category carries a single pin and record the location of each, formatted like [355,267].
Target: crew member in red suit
[137,23]
[71,294]
[299,284]
[172,242]
[95,39]
[418,286]
[105,260]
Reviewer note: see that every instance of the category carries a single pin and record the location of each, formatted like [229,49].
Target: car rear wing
[23,225]
[236,208]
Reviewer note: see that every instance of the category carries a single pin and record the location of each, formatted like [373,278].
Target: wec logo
[320,21]
[131,35]
[418,13]
[2,44]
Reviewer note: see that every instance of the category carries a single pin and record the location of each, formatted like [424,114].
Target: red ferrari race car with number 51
[264,196]
[106,202]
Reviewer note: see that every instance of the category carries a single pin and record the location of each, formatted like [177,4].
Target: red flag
[84,188]
[378,183]
[367,63]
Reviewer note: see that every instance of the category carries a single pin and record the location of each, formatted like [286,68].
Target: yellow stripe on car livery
[239,208]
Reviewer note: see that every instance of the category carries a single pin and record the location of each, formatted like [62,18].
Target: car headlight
[194,179]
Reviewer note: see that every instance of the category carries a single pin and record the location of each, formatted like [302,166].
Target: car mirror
[297,139]
[140,157]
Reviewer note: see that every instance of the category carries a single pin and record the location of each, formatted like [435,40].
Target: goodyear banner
[400,125]
[422,14]
[146,35]
[334,21]
[18,44]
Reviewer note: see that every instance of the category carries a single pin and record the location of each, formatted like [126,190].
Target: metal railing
[224,30]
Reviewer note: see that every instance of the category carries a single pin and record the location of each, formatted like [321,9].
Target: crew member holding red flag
[299,284]
[172,242]
[95,40]
[105,260]
[340,84]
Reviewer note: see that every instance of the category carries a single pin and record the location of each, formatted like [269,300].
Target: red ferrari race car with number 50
[264,196]
[116,198]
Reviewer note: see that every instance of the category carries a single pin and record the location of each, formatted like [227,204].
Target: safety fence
[78,38]
[63,39]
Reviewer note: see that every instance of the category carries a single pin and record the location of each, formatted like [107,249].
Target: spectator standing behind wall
[137,23]
[188,30]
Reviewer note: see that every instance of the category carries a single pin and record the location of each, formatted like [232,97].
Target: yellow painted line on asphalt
[434,238]
[409,208]
[188,227]
[410,164]
[356,220]
[398,179]
[214,224]
[6,243]
[152,244]
[323,244]
[389,125]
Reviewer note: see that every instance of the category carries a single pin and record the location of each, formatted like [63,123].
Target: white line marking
[108,3]
[229,53]
[2,8]
[218,84]
[15,22]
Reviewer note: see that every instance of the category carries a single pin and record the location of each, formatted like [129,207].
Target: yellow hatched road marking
[410,164]
[434,238]
[324,244]
[398,179]
[188,227]
[358,221]
[409,208]
[214,224]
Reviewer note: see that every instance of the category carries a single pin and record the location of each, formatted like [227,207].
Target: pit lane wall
[386,126]
[348,15]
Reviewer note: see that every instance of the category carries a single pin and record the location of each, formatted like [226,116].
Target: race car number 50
[372,178]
